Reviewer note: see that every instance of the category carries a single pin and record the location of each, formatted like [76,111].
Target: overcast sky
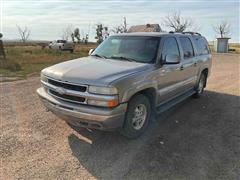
[47,18]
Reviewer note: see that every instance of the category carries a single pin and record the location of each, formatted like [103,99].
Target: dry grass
[24,60]
[233,47]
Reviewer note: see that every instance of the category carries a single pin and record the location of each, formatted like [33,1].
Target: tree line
[175,21]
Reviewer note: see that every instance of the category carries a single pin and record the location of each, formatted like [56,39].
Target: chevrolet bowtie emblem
[60,90]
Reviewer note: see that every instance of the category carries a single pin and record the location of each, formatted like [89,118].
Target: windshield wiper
[123,58]
[97,55]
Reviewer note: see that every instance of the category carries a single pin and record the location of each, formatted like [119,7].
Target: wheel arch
[150,93]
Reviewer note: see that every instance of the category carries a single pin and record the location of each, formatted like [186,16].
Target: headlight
[102,90]
[44,78]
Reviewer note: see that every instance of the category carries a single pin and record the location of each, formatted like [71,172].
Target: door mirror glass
[172,59]
[90,51]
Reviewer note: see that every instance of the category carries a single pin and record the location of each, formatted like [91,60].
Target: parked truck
[61,45]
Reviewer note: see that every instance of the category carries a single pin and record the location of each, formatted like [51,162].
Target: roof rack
[187,32]
[192,33]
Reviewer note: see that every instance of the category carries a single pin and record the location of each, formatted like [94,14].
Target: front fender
[137,87]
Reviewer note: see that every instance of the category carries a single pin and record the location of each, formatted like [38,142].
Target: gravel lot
[198,139]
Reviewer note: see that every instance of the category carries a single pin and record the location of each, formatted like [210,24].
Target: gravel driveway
[198,139]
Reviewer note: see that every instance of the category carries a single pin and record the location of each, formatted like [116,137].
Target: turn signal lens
[111,103]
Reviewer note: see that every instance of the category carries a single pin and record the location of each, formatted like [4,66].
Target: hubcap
[140,115]
[201,85]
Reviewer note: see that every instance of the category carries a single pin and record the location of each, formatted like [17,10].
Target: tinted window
[170,47]
[201,45]
[187,47]
[61,41]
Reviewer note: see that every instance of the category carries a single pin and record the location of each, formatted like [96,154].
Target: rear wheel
[201,85]
[137,117]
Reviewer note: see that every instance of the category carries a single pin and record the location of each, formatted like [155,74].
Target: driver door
[170,76]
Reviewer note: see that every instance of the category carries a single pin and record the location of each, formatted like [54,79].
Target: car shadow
[197,138]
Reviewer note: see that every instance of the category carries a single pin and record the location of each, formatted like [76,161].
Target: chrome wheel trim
[139,118]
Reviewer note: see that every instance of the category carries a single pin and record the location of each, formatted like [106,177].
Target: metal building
[222,45]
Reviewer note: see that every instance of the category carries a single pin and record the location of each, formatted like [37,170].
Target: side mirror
[172,59]
[90,51]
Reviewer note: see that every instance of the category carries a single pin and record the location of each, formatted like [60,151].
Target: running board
[173,102]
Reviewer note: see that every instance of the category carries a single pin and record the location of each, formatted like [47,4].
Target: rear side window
[170,47]
[201,45]
[61,41]
[187,47]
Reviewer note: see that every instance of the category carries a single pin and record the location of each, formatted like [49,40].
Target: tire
[137,117]
[200,86]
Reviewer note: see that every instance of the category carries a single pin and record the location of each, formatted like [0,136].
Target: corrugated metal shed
[222,45]
[145,28]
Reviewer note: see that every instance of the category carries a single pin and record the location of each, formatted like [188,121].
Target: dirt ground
[198,139]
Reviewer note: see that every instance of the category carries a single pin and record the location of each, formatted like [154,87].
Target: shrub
[10,65]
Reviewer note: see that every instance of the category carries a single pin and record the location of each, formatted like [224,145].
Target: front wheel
[200,86]
[137,117]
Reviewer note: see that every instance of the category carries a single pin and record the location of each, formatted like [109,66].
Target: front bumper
[84,115]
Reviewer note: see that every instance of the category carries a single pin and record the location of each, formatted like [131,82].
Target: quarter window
[187,47]
[170,47]
[201,45]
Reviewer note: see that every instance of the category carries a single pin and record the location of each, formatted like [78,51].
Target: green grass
[26,60]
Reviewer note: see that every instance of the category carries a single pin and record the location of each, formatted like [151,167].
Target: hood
[93,71]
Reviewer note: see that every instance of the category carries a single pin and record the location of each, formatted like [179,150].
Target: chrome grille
[73,93]
[68,86]
[67,97]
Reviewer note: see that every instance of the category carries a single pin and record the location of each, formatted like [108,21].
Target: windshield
[130,48]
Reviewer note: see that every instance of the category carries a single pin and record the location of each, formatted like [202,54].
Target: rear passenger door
[203,55]
[189,63]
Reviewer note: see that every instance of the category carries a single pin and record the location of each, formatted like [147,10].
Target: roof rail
[173,32]
[187,32]
[192,33]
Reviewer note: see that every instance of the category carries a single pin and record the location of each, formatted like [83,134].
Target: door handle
[181,68]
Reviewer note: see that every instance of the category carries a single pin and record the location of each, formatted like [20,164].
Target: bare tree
[222,28]
[105,33]
[117,29]
[122,28]
[124,24]
[67,32]
[24,33]
[177,22]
